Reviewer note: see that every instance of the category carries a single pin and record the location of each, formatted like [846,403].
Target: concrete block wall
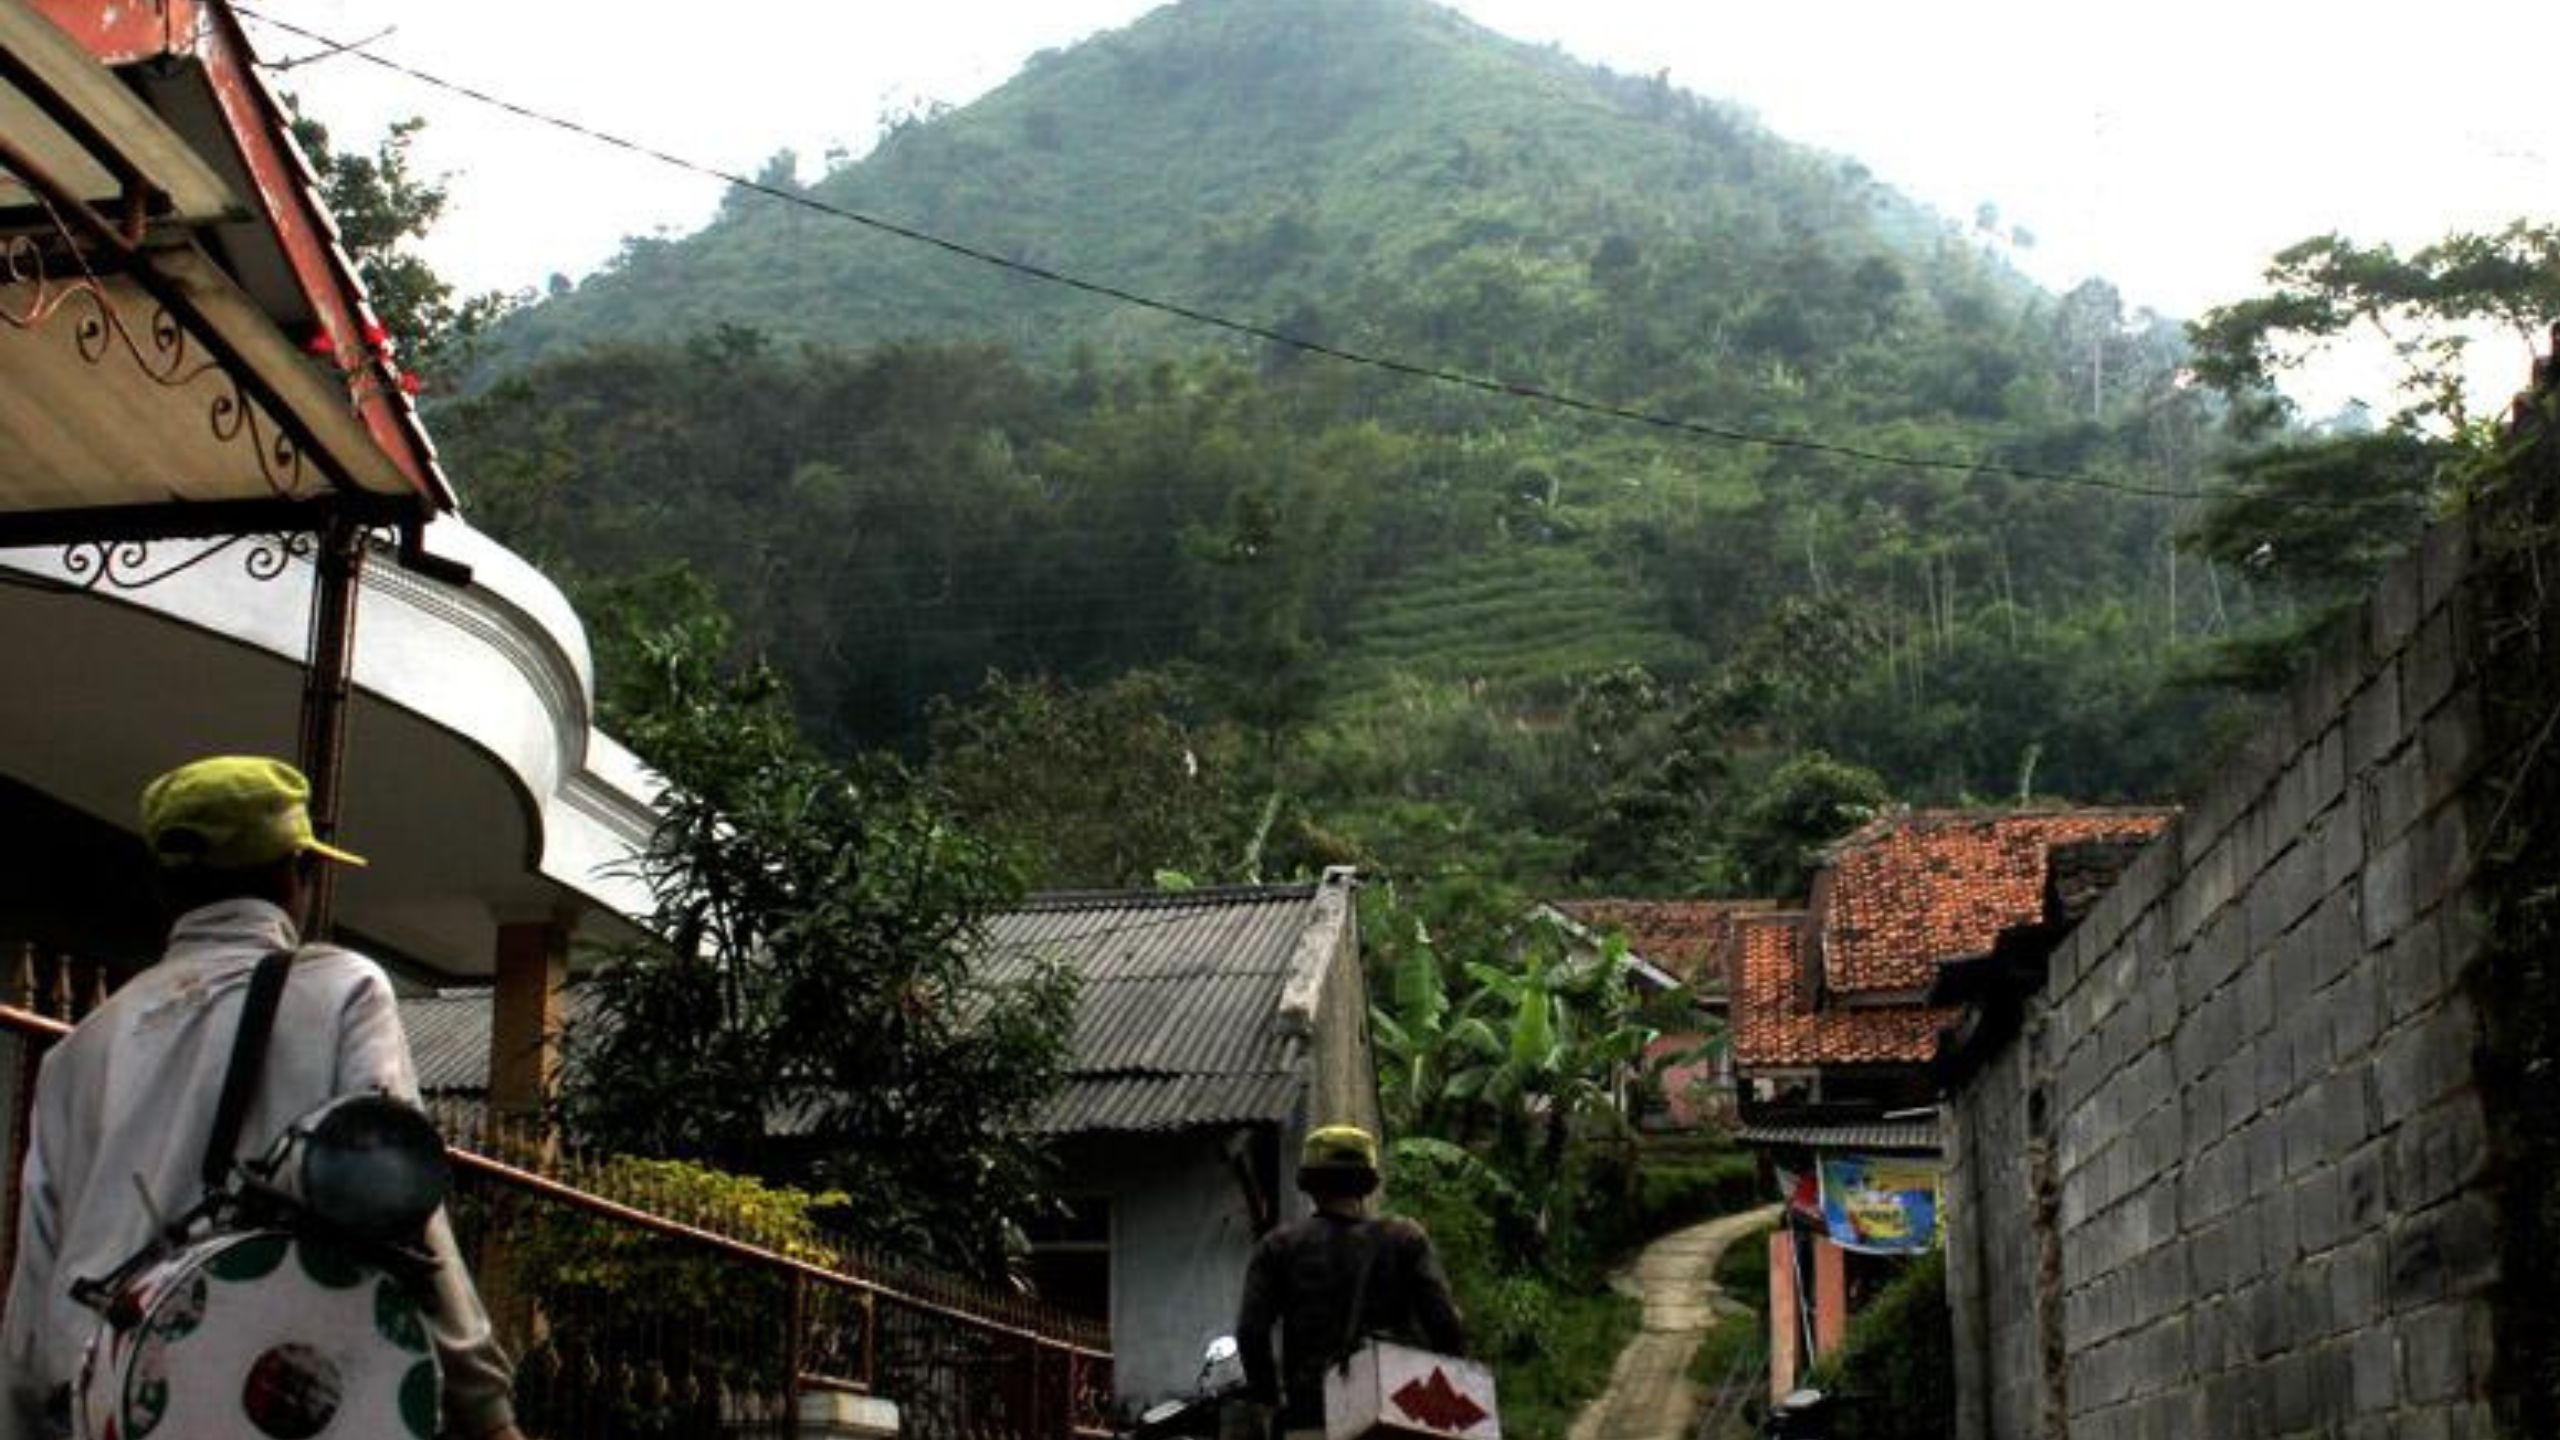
[2230,1178]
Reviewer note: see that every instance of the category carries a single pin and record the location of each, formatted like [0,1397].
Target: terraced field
[1522,625]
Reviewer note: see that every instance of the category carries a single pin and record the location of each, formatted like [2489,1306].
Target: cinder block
[2439,1153]
[2374,727]
[2391,614]
[2447,851]
[2445,559]
[2412,976]
[2448,1252]
[2355,1005]
[2389,893]
[2339,837]
[2318,1208]
[2453,738]
[2364,1187]
[2377,1370]
[2355,1285]
[2430,668]
[2434,1354]
[2426,1059]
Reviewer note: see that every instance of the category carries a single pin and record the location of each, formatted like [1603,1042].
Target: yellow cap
[1339,1147]
[232,812]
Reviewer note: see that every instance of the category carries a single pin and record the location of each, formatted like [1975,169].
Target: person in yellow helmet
[125,1103]
[1307,1277]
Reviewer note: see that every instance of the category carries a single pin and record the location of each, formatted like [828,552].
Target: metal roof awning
[1917,1136]
[149,394]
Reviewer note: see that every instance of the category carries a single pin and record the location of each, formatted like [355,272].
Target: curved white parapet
[476,780]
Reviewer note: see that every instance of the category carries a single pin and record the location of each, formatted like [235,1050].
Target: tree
[2428,308]
[812,1011]
[382,207]
[2316,515]
[1098,787]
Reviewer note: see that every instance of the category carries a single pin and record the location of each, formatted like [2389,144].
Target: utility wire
[1518,390]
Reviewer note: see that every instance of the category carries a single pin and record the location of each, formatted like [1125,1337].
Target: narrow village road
[1650,1396]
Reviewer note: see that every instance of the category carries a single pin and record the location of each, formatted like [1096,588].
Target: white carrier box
[1395,1392]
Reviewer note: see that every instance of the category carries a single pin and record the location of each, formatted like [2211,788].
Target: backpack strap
[1351,1319]
[248,1059]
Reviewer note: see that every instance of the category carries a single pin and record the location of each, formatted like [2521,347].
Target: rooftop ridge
[1052,902]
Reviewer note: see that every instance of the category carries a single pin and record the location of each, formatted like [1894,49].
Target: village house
[1835,1032]
[1213,1029]
[1675,942]
[223,528]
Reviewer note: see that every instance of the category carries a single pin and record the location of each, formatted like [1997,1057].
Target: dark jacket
[1303,1277]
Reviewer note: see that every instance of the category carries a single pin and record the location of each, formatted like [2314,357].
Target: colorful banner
[1879,1204]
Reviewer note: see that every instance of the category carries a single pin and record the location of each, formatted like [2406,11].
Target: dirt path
[1649,1395]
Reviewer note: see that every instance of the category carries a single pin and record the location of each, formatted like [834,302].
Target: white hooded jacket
[129,1095]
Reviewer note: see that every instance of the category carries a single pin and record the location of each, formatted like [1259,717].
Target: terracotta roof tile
[1917,888]
[1770,1029]
[1690,938]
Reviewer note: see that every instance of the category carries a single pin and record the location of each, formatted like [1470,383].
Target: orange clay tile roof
[1769,1029]
[1917,888]
[1689,938]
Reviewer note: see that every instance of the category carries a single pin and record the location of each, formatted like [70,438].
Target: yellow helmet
[1339,1147]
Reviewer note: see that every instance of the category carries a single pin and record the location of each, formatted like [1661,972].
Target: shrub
[1898,1364]
[1670,1196]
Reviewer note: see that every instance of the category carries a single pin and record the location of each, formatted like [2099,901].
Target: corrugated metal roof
[1875,1135]
[449,1037]
[1177,1025]
[449,1040]
[1177,1022]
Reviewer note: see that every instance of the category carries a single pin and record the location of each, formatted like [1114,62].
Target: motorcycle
[1201,1414]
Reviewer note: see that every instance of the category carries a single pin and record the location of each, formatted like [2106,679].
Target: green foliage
[579,1261]
[1101,787]
[1743,1270]
[1898,1361]
[1551,1337]
[812,1014]
[614,1291]
[2314,516]
[1728,1367]
[1670,1194]
[1522,1058]
[1422,628]
[382,208]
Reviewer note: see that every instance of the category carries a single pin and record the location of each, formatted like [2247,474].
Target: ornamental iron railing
[642,1305]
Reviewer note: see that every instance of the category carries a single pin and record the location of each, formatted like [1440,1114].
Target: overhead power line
[1513,389]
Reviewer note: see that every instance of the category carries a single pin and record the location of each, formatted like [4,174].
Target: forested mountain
[1416,623]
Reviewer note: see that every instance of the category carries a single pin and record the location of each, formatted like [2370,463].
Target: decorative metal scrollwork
[130,565]
[163,350]
[272,555]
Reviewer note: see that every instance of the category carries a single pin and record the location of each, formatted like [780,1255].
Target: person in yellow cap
[124,1104]
[1309,1277]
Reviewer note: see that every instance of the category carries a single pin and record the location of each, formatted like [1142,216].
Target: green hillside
[1358,169]
[1439,627]
[1516,621]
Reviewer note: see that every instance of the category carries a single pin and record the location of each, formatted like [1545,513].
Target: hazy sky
[2171,146]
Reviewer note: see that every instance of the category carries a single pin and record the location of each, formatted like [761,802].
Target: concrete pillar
[524,1018]
[525,1011]
[1830,1296]
[1786,1322]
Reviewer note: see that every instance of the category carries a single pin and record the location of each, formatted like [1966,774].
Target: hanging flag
[1880,1204]
[1802,1189]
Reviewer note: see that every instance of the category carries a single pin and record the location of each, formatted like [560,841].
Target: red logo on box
[1437,1403]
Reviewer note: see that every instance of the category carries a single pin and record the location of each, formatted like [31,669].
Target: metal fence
[640,1307]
